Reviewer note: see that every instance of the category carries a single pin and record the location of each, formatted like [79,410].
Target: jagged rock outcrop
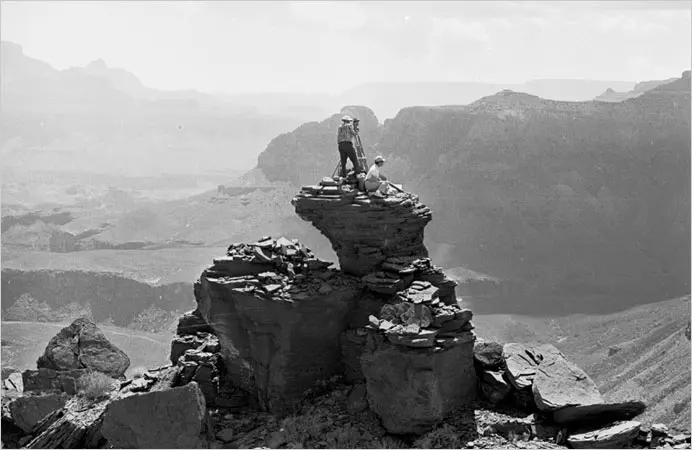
[285,321]
[278,322]
[416,351]
[277,312]
[82,345]
[365,231]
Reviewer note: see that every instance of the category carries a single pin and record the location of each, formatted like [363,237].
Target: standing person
[346,136]
[375,182]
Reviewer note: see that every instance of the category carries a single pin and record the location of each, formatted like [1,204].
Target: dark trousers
[347,151]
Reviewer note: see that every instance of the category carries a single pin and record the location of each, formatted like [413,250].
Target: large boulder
[559,383]
[172,418]
[82,345]
[414,389]
[28,410]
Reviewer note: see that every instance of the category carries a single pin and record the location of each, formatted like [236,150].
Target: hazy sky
[331,46]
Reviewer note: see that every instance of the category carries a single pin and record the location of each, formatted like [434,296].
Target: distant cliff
[611,95]
[99,118]
[575,198]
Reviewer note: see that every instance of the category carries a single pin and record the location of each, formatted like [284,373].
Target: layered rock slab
[28,410]
[599,412]
[365,231]
[559,383]
[172,418]
[522,361]
[76,425]
[278,312]
[618,435]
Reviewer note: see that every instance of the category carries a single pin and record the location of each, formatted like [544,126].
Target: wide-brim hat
[379,159]
[346,119]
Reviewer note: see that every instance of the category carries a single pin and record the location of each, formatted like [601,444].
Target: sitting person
[376,183]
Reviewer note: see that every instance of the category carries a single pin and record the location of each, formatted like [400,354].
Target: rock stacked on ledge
[397,274]
[278,312]
[196,352]
[365,231]
[420,319]
[418,359]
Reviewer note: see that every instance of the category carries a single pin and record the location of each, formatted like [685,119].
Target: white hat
[379,159]
[346,119]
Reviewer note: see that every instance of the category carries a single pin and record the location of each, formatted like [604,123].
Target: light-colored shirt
[346,133]
[373,173]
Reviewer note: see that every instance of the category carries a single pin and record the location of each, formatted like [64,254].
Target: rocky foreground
[284,351]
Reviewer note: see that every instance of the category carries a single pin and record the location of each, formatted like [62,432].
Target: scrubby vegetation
[137,372]
[95,385]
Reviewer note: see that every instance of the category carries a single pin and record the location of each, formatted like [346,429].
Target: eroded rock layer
[278,312]
[365,231]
